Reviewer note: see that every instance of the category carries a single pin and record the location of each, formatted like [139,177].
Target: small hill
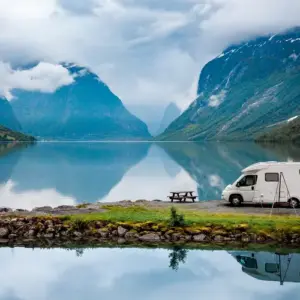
[7,135]
[284,132]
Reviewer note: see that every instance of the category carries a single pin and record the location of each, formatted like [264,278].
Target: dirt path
[214,206]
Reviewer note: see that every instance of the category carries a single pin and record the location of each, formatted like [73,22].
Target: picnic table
[182,196]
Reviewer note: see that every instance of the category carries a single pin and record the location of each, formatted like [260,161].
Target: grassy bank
[142,225]
[139,214]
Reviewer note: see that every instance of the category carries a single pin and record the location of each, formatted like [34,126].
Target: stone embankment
[47,231]
[59,227]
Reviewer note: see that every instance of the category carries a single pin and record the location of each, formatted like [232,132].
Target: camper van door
[247,187]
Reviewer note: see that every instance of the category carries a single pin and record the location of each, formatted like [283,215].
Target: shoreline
[144,223]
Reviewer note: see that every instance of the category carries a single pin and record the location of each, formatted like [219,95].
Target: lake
[104,273]
[72,173]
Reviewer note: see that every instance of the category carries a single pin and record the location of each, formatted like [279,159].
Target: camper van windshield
[248,180]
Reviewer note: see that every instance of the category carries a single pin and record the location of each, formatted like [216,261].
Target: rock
[4,241]
[31,232]
[176,236]
[50,230]
[227,239]
[43,209]
[199,237]
[103,233]
[131,235]
[48,235]
[77,234]
[12,236]
[218,238]
[65,207]
[21,210]
[121,231]
[188,237]
[19,224]
[141,201]
[260,239]
[245,239]
[150,237]
[49,223]
[5,209]
[4,232]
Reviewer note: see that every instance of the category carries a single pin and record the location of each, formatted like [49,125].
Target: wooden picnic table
[182,196]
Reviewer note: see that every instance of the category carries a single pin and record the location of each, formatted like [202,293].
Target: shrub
[80,225]
[176,220]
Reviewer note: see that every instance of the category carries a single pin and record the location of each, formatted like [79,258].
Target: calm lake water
[69,173]
[147,274]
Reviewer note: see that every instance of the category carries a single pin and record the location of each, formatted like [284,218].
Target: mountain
[151,114]
[243,91]
[7,135]
[171,113]
[7,116]
[288,131]
[83,110]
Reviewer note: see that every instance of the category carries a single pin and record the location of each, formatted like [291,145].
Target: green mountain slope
[7,135]
[284,132]
[7,116]
[243,91]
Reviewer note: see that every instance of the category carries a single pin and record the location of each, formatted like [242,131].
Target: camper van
[266,182]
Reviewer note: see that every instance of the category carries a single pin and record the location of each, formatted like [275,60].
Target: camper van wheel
[294,203]
[236,200]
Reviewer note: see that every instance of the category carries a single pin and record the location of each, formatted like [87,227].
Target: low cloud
[216,100]
[147,51]
[44,77]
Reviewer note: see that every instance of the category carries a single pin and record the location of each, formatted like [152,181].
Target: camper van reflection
[266,182]
[269,266]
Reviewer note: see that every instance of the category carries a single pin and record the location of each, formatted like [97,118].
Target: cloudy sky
[147,51]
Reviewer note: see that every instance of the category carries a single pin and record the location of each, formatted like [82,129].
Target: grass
[140,214]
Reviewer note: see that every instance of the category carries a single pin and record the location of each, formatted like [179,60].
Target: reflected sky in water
[71,173]
[138,274]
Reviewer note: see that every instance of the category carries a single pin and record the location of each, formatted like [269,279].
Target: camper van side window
[272,177]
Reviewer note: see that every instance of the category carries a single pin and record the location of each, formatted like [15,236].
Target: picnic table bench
[182,196]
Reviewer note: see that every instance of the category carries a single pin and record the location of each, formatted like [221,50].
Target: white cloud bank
[44,77]
[147,51]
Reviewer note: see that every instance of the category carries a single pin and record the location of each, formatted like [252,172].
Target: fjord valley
[149,150]
[244,92]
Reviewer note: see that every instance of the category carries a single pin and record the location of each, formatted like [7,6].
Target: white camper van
[266,182]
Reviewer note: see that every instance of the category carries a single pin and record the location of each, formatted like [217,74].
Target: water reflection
[84,171]
[270,266]
[69,173]
[215,165]
[139,274]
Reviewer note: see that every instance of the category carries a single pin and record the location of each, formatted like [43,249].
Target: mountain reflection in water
[70,173]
